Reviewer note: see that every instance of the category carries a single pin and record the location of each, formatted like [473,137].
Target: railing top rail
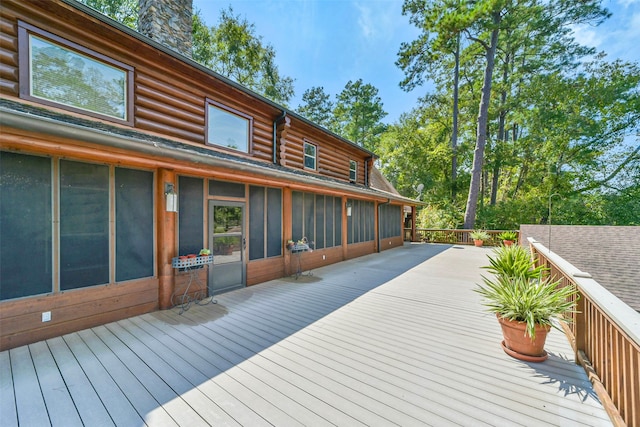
[625,317]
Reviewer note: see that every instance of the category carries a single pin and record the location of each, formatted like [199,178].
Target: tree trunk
[481,140]
[502,134]
[454,131]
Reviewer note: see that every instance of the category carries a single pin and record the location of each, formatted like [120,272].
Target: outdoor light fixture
[171,196]
[348,208]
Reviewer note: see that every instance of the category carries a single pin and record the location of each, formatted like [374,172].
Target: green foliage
[233,50]
[559,121]
[123,11]
[508,235]
[534,301]
[358,114]
[432,216]
[519,292]
[513,262]
[317,107]
[480,235]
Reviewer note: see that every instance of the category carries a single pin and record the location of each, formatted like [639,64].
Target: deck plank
[364,342]
[29,403]
[8,408]
[141,399]
[60,406]
[114,400]
[87,401]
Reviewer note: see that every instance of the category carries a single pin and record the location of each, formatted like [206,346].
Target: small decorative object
[204,252]
[290,244]
[479,237]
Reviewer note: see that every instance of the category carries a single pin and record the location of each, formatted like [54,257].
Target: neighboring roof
[37,119]
[611,254]
[190,62]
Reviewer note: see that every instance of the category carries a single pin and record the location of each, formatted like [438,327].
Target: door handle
[244,243]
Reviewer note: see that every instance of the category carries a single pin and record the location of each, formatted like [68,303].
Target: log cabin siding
[170,99]
[74,310]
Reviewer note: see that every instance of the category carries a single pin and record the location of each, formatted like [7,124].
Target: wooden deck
[396,338]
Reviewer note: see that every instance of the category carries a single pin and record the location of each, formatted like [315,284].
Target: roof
[33,118]
[190,62]
[611,254]
[379,182]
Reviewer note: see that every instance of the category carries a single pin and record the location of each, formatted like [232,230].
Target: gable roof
[611,254]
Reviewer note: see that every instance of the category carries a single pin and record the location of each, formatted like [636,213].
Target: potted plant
[525,302]
[479,237]
[508,237]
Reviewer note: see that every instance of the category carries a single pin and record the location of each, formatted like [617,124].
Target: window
[318,218]
[191,215]
[360,225]
[26,226]
[134,224]
[353,171]
[310,156]
[390,221]
[265,222]
[228,128]
[57,72]
[85,227]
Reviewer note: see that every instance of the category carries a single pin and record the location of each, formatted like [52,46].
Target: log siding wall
[169,99]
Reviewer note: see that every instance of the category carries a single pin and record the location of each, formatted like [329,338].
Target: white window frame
[353,171]
[309,156]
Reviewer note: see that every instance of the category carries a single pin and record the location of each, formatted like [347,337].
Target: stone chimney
[169,22]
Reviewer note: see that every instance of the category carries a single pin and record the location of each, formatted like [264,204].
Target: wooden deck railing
[605,335]
[458,237]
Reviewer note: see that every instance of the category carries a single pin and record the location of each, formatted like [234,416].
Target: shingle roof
[611,254]
[379,182]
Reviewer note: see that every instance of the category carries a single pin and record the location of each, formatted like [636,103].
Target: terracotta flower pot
[507,242]
[478,242]
[517,343]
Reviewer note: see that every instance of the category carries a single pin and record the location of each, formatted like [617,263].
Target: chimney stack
[169,22]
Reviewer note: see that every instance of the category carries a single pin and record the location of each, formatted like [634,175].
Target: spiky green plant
[480,235]
[508,235]
[534,301]
[513,261]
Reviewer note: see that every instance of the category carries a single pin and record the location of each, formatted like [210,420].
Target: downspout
[366,172]
[275,141]
[379,222]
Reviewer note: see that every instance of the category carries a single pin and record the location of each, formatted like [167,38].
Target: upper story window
[60,73]
[310,155]
[353,170]
[228,128]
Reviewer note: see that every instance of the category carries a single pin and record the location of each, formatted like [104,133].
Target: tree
[233,50]
[317,107]
[489,26]
[123,11]
[359,113]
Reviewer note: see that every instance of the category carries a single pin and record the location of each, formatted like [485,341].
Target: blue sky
[329,42]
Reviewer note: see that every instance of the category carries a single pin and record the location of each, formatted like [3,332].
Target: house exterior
[118,154]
